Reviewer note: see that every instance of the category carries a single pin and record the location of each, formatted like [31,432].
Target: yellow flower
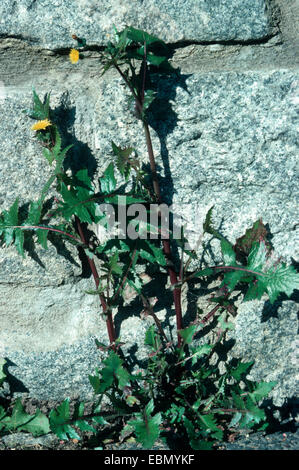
[74,56]
[40,125]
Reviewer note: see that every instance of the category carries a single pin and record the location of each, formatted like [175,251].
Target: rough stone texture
[225,139]
[227,133]
[267,335]
[50,24]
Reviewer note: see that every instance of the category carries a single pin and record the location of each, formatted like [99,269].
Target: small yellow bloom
[40,125]
[74,56]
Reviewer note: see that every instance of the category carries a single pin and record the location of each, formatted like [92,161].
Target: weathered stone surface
[224,134]
[230,141]
[50,24]
[267,335]
[222,139]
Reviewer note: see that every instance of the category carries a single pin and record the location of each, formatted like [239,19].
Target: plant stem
[124,280]
[149,309]
[166,243]
[107,312]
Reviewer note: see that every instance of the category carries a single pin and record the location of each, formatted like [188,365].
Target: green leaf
[150,251]
[149,97]
[241,370]
[10,219]
[152,339]
[231,279]
[19,240]
[257,257]
[262,390]
[255,234]
[235,419]
[37,424]
[82,424]
[204,272]
[60,422]
[123,162]
[196,440]
[34,213]
[40,109]
[137,35]
[238,402]
[114,266]
[2,374]
[48,154]
[9,229]
[225,325]
[229,256]
[108,181]
[200,351]
[280,279]
[208,423]
[146,427]
[112,372]
[134,281]
[254,414]
[78,200]
[188,333]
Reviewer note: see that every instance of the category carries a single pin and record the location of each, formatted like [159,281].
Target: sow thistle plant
[181,394]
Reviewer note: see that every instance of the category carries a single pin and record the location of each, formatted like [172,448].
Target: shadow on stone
[15,385]
[286,415]
[80,155]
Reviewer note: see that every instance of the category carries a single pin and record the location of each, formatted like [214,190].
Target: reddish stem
[108,314]
[166,243]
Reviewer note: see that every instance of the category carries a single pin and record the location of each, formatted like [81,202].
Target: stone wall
[224,133]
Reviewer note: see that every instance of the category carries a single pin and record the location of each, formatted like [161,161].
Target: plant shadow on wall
[186,392]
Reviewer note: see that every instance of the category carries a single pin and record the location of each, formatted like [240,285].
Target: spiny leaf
[257,257]
[113,371]
[114,265]
[241,370]
[255,234]
[146,427]
[196,440]
[108,181]
[137,35]
[82,424]
[9,229]
[207,225]
[60,421]
[208,422]
[124,161]
[280,279]
[40,109]
[228,254]
[262,390]
[77,199]
[150,251]
[37,424]
[188,333]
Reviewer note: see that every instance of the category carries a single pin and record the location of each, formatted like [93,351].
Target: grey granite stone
[225,139]
[267,335]
[224,134]
[50,24]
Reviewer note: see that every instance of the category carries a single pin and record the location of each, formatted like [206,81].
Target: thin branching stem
[106,310]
